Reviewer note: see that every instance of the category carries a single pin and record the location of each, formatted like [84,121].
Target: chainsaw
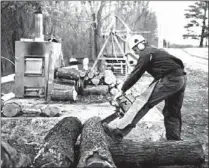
[122,104]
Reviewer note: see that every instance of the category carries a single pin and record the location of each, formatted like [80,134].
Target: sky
[171,21]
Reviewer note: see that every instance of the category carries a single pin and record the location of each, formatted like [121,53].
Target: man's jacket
[157,62]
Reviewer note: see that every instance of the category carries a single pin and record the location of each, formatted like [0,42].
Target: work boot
[115,134]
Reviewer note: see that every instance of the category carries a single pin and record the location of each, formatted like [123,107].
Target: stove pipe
[39,26]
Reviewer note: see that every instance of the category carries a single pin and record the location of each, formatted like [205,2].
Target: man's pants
[170,89]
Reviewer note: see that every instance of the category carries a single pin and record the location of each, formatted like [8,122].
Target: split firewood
[58,150]
[96,90]
[94,149]
[67,73]
[10,157]
[62,95]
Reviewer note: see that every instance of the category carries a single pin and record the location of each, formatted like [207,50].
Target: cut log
[65,81]
[96,90]
[94,150]
[109,77]
[50,111]
[58,150]
[130,153]
[10,157]
[67,73]
[62,95]
[11,109]
[62,87]
[82,73]
[95,80]
[91,74]
[113,91]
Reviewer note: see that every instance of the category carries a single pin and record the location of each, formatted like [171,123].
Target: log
[113,91]
[67,73]
[94,150]
[82,73]
[11,109]
[62,87]
[10,157]
[58,150]
[131,153]
[91,74]
[96,90]
[50,111]
[109,77]
[63,95]
[95,81]
[65,81]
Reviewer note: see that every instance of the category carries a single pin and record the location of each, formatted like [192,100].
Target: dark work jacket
[157,62]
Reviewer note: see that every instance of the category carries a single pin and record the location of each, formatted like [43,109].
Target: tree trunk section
[95,80]
[11,109]
[94,150]
[50,111]
[64,95]
[147,154]
[91,74]
[62,87]
[82,73]
[65,81]
[68,73]
[109,78]
[10,157]
[58,150]
[113,91]
[96,90]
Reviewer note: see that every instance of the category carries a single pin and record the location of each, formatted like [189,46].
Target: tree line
[77,24]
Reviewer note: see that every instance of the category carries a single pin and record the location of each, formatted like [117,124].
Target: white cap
[135,40]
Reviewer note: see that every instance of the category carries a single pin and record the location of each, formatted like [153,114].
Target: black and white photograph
[104,84]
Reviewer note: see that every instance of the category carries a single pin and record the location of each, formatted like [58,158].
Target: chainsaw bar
[110,118]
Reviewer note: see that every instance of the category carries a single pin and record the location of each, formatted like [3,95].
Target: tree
[197,16]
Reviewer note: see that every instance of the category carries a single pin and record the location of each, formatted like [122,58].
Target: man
[170,82]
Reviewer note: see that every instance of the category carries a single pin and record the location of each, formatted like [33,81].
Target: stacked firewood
[69,83]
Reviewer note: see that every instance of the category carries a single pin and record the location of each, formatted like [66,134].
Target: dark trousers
[171,89]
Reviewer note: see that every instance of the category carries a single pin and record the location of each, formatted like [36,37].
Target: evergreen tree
[197,16]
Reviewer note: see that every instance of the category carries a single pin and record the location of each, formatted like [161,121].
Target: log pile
[85,83]
[62,147]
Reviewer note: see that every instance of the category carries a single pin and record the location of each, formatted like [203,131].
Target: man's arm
[136,74]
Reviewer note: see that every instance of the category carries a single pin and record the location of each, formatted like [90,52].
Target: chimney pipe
[39,26]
